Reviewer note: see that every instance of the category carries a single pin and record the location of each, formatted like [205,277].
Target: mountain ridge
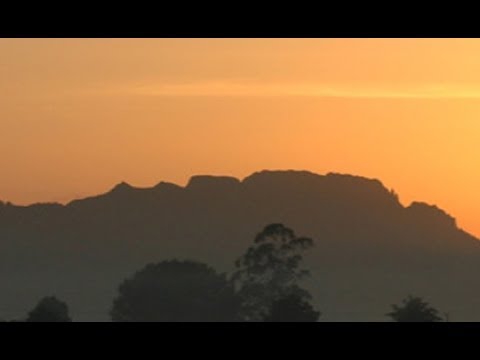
[369,249]
[195,180]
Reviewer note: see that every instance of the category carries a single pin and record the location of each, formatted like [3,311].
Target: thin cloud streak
[231,89]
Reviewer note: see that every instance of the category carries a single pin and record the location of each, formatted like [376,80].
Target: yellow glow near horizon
[79,115]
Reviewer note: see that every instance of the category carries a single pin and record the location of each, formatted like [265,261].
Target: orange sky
[80,115]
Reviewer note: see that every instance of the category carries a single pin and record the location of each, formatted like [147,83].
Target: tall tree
[414,309]
[174,291]
[270,270]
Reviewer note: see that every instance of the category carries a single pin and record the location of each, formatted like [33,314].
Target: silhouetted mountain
[370,250]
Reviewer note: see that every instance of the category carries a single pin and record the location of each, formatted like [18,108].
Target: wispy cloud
[244,89]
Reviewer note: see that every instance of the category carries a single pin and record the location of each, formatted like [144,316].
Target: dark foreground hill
[370,250]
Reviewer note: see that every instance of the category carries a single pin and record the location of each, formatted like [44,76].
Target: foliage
[270,270]
[49,309]
[414,309]
[292,308]
[176,291]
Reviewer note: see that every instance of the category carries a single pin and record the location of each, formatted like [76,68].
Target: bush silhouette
[269,271]
[49,309]
[414,309]
[176,291]
[292,308]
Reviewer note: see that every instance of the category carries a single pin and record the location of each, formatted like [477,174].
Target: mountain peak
[265,175]
[122,186]
[166,185]
[205,182]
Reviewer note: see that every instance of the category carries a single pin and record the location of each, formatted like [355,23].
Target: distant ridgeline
[369,249]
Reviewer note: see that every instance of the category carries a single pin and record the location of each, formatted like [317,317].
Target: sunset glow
[78,116]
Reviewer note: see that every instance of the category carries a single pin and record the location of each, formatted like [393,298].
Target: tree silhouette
[176,291]
[49,309]
[292,308]
[270,270]
[414,309]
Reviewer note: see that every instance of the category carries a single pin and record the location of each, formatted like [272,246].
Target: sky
[78,116]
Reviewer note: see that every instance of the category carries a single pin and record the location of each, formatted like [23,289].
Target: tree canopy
[292,308]
[49,309]
[270,271]
[414,309]
[176,291]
